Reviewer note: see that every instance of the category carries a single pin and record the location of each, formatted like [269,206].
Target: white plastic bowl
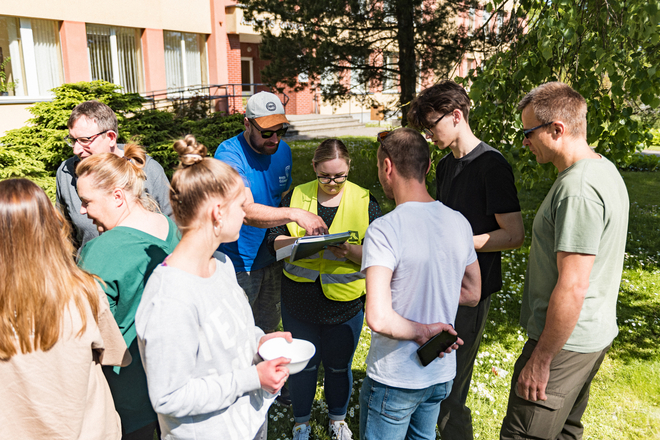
[299,351]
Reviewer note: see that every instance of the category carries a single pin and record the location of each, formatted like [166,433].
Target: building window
[500,22]
[357,85]
[185,59]
[486,24]
[247,76]
[471,21]
[115,56]
[390,79]
[35,57]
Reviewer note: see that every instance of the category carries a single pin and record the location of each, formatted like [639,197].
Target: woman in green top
[134,240]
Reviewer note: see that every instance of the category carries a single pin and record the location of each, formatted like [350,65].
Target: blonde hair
[197,178]
[38,275]
[556,101]
[331,149]
[110,171]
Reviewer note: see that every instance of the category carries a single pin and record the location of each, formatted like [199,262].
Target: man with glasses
[264,162]
[93,129]
[420,264]
[574,271]
[477,181]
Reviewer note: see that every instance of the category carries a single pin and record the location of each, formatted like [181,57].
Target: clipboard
[311,244]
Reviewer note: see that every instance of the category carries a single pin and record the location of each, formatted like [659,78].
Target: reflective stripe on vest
[341,278]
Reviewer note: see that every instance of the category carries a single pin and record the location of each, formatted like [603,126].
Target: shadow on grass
[638,317]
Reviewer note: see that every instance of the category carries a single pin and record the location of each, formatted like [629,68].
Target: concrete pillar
[217,43]
[73,36]
[153,54]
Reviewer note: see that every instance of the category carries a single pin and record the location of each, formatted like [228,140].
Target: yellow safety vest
[341,278]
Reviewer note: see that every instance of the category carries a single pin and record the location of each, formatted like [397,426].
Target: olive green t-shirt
[585,211]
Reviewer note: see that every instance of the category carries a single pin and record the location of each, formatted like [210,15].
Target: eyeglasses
[267,134]
[428,132]
[529,131]
[337,179]
[83,140]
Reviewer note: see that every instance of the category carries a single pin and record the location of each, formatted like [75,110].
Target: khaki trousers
[557,418]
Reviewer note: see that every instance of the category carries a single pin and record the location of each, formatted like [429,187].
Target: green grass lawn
[625,395]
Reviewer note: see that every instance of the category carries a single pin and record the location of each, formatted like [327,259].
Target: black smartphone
[434,346]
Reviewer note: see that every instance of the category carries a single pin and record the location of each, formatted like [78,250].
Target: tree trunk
[407,60]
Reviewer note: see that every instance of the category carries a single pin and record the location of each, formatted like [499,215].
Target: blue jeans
[335,346]
[389,413]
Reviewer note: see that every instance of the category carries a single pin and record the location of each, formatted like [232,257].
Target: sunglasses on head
[383,134]
[267,134]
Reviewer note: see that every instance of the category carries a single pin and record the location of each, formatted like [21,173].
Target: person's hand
[285,335]
[340,250]
[311,223]
[533,380]
[427,331]
[273,374]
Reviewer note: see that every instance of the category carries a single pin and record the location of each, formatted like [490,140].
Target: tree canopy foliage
[326,43]
[608,50]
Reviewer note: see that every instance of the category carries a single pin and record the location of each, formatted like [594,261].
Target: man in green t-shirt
[574,272]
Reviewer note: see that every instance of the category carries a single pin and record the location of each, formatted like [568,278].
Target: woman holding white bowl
[195,327]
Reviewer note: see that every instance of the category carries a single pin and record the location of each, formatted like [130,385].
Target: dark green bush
[157,130]
[642,162]
[37,149]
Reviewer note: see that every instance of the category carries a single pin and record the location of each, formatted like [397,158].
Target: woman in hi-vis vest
[322,295]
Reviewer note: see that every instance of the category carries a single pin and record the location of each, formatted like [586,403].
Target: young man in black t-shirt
[477,181]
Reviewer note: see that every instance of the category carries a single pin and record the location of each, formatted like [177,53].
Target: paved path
[360,131]
[654,152]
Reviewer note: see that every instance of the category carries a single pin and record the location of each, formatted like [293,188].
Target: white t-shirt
[427,246]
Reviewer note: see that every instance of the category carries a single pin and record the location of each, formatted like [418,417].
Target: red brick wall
[234,70]
[300,103]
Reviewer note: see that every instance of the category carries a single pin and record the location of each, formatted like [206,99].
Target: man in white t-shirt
[420,264]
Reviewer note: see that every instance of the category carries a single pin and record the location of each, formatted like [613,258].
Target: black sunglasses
[267,134]
[529,131]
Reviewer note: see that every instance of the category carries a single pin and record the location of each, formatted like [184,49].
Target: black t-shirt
[479,185]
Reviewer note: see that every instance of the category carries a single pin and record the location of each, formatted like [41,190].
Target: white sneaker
[301,432]
[340,431]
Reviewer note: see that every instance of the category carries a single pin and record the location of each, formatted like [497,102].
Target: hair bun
[189,151]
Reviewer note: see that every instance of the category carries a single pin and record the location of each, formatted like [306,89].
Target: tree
[608,50]
[319,43]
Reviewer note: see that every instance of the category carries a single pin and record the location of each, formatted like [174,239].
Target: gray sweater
[198,344]
[69,203]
